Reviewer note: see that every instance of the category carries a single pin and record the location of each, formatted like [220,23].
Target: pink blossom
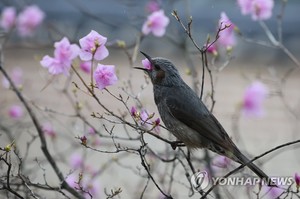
[146,63]
[105,76]
[76,161]
[259,9]
[156,122]
[212,48]
[48,130]
[221,161]
[133,111]
[227,37]
[152,6]
[16,76]
[93,45]
[156,126]
[15,112]
[156,23]
[262,9]
[297,180]
[83,140]
[144,116]
[72,181]
[245,6]
[254,96]
[145,119]
[86,66]
[64,54]
[29,19]
[8,18]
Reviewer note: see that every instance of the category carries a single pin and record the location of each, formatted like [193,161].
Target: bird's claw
[176,144]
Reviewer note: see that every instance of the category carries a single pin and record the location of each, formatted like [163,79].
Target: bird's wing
[193,113]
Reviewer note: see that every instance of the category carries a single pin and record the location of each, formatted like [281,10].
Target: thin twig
[41,135]
[252,160]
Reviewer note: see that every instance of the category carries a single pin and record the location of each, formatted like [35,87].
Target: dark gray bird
[186,117]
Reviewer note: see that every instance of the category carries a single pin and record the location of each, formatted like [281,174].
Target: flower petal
[105,76]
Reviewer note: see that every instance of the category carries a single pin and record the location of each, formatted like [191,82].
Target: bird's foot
[176,144]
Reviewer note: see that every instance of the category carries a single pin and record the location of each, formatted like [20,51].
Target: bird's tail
[243,160]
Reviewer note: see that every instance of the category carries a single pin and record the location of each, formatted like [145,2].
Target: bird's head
[161,71]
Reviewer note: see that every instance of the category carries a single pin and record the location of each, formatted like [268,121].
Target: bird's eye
[157,67]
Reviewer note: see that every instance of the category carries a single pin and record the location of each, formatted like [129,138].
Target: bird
[186,116]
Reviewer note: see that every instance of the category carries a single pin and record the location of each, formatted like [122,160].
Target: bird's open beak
[147,56]
[144,69]
[150,60]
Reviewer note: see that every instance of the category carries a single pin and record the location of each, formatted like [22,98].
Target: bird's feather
[199,119]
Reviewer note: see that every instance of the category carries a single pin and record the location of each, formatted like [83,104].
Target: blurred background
[255,56]
[124,19]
